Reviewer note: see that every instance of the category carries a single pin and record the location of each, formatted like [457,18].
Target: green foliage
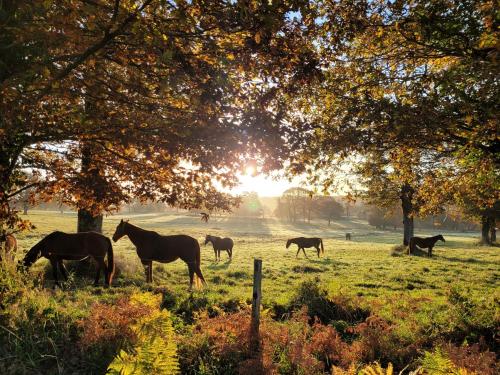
[155,351]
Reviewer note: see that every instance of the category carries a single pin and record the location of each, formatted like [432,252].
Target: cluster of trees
[392,218]
[410,97]
[106,101]
[299,204]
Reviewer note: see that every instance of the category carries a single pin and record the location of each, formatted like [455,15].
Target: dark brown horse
[220,244]
[304,242]
[424,243]
[152,246]
[59,246]
[10,247]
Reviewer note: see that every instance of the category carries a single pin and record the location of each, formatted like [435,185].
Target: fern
[376,369]
[437,363]
[156,350]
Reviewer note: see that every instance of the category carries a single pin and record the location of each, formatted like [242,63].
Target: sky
[264,186]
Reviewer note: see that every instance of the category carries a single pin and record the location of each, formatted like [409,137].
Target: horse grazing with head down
[220,244]
[59,246]
[10,247]
[152,246]
[304,242]
[424,243]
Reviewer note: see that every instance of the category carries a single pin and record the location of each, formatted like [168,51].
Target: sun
[250,170]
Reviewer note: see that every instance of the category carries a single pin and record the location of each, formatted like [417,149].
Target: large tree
[404,75]
[108,100]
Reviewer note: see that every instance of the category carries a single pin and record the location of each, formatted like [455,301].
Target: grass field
[407,291]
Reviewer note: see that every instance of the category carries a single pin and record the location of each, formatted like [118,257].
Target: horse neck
[134,233]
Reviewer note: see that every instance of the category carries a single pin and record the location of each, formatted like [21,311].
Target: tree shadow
[219,265]
[466,260]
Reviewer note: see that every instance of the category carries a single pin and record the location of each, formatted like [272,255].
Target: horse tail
[111,263]
[322,248]
[198,276]
[411,245]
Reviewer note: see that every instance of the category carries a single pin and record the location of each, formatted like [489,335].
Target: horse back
[170,248]
[83,243]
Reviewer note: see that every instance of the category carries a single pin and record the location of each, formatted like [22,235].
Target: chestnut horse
[152,246]
[303,242]
[424,243]
[10,247]
[220,244]
[59,246]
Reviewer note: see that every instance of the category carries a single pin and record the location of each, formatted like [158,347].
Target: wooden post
[256,298]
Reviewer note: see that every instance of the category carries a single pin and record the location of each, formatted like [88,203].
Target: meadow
[425,303]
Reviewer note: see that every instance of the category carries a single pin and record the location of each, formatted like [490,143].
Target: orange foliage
[111,323]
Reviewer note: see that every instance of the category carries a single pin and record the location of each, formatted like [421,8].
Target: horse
[152,246]
[303,242]
[348,236]
[424,243]
[59,246]
[10,247]
[220,244]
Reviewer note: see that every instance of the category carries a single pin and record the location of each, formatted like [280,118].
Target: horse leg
[191,276]
[430,252]
[298,251]
[150,269]
[317,250]
[304,251]
[63,269]
[215,253]
[100,264]
[53,263]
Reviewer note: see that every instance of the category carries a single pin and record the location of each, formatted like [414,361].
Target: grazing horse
[10,247]
[424,243]
[59,246]
[165,249]
[303,242]
[220,244]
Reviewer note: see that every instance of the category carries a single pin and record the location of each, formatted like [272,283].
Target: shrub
[324,308]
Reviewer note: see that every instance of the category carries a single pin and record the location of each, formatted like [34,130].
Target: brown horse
[303,242]
[424,243]
[10,247]
[152,246]
[220,244]
[59,246]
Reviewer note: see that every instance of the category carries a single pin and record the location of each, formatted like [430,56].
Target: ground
[452,297]
[363,266]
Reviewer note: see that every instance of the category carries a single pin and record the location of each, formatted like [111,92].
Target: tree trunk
[89,223]
[485,230]
[493,231]
[407,205]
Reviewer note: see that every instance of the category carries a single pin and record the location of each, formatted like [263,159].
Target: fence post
[256,298]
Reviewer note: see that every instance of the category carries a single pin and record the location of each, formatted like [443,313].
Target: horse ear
[121,221]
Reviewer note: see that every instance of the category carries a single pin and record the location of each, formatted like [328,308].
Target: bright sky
[264,186]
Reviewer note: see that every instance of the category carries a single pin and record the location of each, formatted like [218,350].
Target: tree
[250,205]
[327,208]
[404,77]
[156,100]
[296,202]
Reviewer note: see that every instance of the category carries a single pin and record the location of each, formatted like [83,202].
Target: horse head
[208,238]
[288,243]
[120,230]
[32,255]
[441,238]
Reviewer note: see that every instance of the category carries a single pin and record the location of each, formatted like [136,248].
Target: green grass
[423,298]
[362,266]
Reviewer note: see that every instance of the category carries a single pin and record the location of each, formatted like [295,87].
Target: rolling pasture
[407,291]
[363,266]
